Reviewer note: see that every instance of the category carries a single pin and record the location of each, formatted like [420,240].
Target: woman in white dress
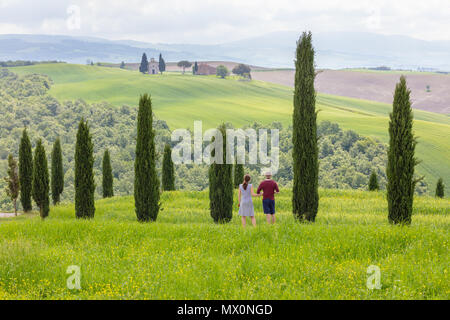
[245,201]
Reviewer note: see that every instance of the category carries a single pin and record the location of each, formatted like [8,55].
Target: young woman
[245,201]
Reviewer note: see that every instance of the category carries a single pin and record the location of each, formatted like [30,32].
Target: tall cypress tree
[305,195]
[401,159]
[440,188]
[373,182]
[162,64]
[25,171]
[12,182]
[57,182]
[40,189]
[146,182]
[144,64]
[221,187]
[238,174]
[107,182]
[168,171]
[84,175]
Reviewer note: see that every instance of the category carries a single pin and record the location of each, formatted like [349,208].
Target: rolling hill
[374,85]
[181,99]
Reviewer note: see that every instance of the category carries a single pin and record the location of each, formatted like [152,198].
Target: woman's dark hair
[246,180]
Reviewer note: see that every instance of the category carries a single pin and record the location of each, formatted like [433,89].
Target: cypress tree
[168,171]
[40,189]
[440,188]
[12,181]
[221,187]
[162,64]
[25,171]
[305,195]
[373,182]
[401,159]
[146,182]
[238,174]
[195,69]
[84,175]
[57,182]
[107,182]
[144,64]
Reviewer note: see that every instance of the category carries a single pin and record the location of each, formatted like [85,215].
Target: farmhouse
[153,66]
[205,69]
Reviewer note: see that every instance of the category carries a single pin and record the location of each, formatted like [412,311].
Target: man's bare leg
[273,218]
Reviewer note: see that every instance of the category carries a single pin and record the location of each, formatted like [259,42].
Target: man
[269,189]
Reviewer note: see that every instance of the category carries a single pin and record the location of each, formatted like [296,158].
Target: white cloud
[212,21]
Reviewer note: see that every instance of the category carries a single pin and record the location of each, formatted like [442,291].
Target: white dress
[246,207]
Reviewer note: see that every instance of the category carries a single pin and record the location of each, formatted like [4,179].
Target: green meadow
[180,99]
[184,255]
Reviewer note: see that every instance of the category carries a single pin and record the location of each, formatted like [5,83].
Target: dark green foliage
[195,68]
[84,175]
[41,180]
[305,195]
[242,70]
[146,182]
[144,64]
[401,159]
[440,188]
[222,71]
[168,170]
[373,182]
[238,174]
[57,182]
[122,65]
[12,181]
[184,64]
[25,171]
[221,187]
[107,181]
[162,64]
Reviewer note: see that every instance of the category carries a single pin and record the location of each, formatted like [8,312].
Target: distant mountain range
[335,50]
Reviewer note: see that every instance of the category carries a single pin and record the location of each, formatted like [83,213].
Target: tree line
[30,179]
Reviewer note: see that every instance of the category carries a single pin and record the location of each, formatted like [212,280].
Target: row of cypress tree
[34,176]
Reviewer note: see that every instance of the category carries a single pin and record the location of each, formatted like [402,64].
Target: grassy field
[184,255]
[181,99]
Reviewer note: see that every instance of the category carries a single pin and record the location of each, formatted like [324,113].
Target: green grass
[181,99]
[184,255]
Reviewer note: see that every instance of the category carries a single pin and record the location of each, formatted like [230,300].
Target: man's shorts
[269,206]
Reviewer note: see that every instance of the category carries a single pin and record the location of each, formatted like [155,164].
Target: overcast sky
[216,21]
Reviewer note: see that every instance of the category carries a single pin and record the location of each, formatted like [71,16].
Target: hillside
[374,85]
[184,255]
[181,99]
[347,159]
